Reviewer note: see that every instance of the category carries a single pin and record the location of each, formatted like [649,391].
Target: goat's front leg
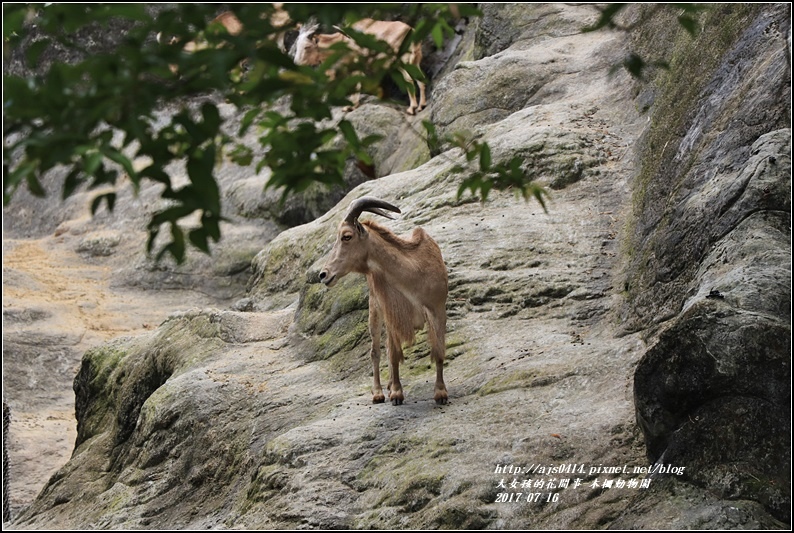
[374,352]
[414,106]
[395,357]
[422,97]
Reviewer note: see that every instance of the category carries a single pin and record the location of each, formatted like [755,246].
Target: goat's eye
[346,237]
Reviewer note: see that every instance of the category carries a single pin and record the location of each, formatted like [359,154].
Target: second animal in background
[312,48]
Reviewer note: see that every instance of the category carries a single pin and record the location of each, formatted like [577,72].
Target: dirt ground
[56,305]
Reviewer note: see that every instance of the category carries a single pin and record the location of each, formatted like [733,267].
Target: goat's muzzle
[328,280]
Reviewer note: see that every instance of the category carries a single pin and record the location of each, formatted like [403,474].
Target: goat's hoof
[378,398]
[411,111]
[396,401]
[396,398]
[441,399]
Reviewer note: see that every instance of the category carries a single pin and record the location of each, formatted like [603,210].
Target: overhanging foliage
[97,114]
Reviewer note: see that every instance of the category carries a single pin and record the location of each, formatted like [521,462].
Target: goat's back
[230,22]
[393,32]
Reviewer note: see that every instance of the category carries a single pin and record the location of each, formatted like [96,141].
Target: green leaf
[91,163]
[689,24]
[471,152]
[607,17]
[170,215]
[110,200]
[70,183]
[116,156]
[34,185]
[348,131]
[156,173]
[635,65]
[18,175]
[177,245]
[270,55]
[538,193]
[430,128]
[212,119]
[485,158]
[13,19]
[35,50]
[438,35]
[248,119]
[191,128]
[369,140]
[198,237]
[212,227]
[241,155]
[415,72]
[200,165]
[130,11]
[692,8]
[485,188]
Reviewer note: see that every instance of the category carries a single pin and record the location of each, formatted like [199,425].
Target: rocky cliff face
[710,269]
[615,349]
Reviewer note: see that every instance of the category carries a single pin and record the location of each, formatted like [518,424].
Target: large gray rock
[712,275]
[700,174]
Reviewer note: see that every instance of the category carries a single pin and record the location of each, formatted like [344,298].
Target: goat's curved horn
[373,205]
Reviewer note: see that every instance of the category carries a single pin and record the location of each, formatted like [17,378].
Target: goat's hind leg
[436,330]
[422,97]
[374,352]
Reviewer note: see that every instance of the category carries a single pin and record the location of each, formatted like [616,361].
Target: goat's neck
[384,257]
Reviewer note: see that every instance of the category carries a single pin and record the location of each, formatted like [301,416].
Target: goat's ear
[359,227]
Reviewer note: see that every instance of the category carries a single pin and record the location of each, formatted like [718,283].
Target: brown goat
[279,19]
[312,48]
[407,282]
